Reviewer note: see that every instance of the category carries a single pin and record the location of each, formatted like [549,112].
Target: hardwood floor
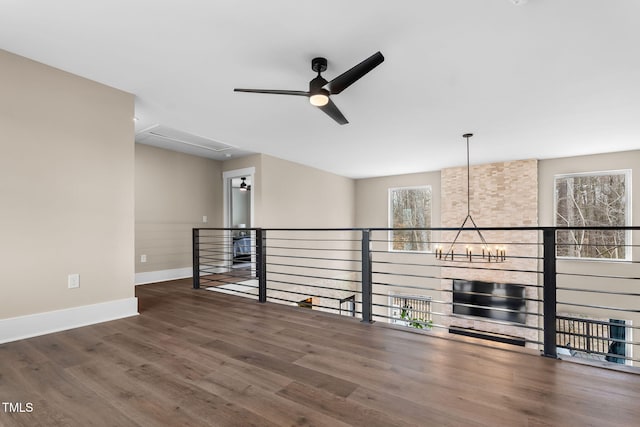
[200,358]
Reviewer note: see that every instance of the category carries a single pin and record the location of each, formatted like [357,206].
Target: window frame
[628,212]
[390,218]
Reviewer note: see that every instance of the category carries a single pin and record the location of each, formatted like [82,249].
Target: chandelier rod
[467,136]
[499,254]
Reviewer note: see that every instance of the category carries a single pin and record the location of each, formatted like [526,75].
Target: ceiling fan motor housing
[319,65]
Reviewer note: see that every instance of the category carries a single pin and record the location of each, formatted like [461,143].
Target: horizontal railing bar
[490,269]
[313,249]
[411,264]
[519,228]
[488,320]
[596,291]
[459,316]
[301,293]
[271,255]
[600,338]
[447,327]
[227,291]
[447,242]
[313,277]
[301,239]
[600,353]
[310,267]
[451,302]
[284,282]
[440,289]
[385,273]
[238,284]
[598,276]
[599,307]
[523,228]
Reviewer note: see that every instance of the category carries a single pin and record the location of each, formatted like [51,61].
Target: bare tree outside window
[410,207]
[598,200]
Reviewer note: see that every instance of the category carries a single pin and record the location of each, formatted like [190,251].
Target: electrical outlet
[73,281]
[204,219]
[143,258]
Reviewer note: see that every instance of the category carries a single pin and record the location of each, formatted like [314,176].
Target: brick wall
[502,195]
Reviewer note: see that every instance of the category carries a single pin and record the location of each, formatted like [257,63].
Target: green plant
[414,322]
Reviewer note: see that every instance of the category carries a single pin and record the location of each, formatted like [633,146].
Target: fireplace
[497,301]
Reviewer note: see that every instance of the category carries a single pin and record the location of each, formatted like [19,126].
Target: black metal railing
[562,307]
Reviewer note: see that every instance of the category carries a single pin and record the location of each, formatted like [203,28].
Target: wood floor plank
[412,412]
[350,412]
[208,407]
[265,400]
[312,377]
[64,401]
[140,401]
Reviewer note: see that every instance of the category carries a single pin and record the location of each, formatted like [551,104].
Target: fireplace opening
[498,301]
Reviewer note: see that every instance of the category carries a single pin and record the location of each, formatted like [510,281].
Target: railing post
[195,242]
[549,291]
[261,263]
[367,302]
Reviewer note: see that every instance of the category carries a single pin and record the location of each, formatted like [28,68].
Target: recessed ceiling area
[173,139]
[531,79]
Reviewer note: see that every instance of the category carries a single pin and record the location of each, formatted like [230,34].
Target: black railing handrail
[511,228]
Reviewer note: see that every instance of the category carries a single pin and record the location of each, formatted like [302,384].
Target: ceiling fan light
[319,100]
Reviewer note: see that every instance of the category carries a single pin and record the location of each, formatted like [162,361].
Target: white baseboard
[33,325]
[163,275]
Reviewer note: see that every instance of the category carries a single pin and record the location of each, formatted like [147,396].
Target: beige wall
[66,189]
[173,193]
[294,195]
[372,197]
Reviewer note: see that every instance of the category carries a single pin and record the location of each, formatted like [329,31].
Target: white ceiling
[547,78]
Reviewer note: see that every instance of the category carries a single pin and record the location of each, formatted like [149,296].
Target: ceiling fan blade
[274,92]
[349,77]
[333,112]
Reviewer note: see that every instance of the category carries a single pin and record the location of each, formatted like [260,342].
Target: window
[597,199]
[410,207]
[412,311]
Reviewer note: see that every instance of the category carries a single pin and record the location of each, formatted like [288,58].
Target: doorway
[238,215]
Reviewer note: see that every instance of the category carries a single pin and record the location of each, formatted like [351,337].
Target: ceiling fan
[320,90]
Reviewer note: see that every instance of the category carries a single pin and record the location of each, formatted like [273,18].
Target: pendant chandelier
[485,254]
